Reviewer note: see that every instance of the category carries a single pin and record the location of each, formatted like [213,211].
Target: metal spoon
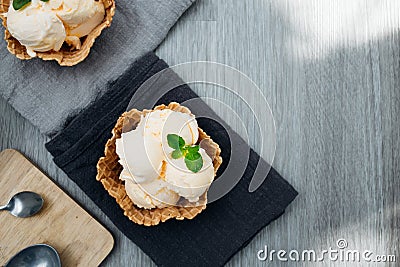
[24,204]
[40,255]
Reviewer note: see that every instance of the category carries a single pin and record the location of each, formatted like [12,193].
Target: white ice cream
[35,28]
[151,195]
[143,151]
[44,26]
[79,16]
[188,184]
[182,124]
[160,123]
[140,154]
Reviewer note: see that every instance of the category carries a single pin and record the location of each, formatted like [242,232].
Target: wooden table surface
[330,71]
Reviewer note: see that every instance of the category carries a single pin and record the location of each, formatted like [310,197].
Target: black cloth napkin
[211,238]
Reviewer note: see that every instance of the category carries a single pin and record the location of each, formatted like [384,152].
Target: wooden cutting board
[62,223]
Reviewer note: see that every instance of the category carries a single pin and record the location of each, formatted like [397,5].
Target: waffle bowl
[109,169]
[66,56]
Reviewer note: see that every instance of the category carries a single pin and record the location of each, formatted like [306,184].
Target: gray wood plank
[330,71]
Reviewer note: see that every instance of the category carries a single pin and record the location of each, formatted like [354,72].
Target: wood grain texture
[79,238]
[330,71]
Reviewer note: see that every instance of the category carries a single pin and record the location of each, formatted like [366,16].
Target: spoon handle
[3,207]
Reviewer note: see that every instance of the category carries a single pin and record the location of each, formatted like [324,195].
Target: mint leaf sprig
[193,159]
[18,4]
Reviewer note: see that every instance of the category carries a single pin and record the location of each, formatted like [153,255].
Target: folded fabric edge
[62,141]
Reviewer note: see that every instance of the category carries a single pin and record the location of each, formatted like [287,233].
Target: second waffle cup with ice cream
[164,197]
[61,30]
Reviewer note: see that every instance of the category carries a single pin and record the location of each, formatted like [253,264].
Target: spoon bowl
[24,204]
[40,255]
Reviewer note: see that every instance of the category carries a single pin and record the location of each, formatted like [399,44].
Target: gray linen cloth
[48,95]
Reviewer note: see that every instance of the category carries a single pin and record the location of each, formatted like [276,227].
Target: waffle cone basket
[66,56]
[109,169]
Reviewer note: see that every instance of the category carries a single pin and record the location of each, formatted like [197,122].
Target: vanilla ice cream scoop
[140,154]
[163,122]
[151,195]
[160,123]
[186,183]
[35,28]
[182,124]
[43,26]
[79,16]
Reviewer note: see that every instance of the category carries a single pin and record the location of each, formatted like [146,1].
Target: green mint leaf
[194,162]
[175,141]
[192,149]
[44,0]
[193,156]
[176,154]
[18,4]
